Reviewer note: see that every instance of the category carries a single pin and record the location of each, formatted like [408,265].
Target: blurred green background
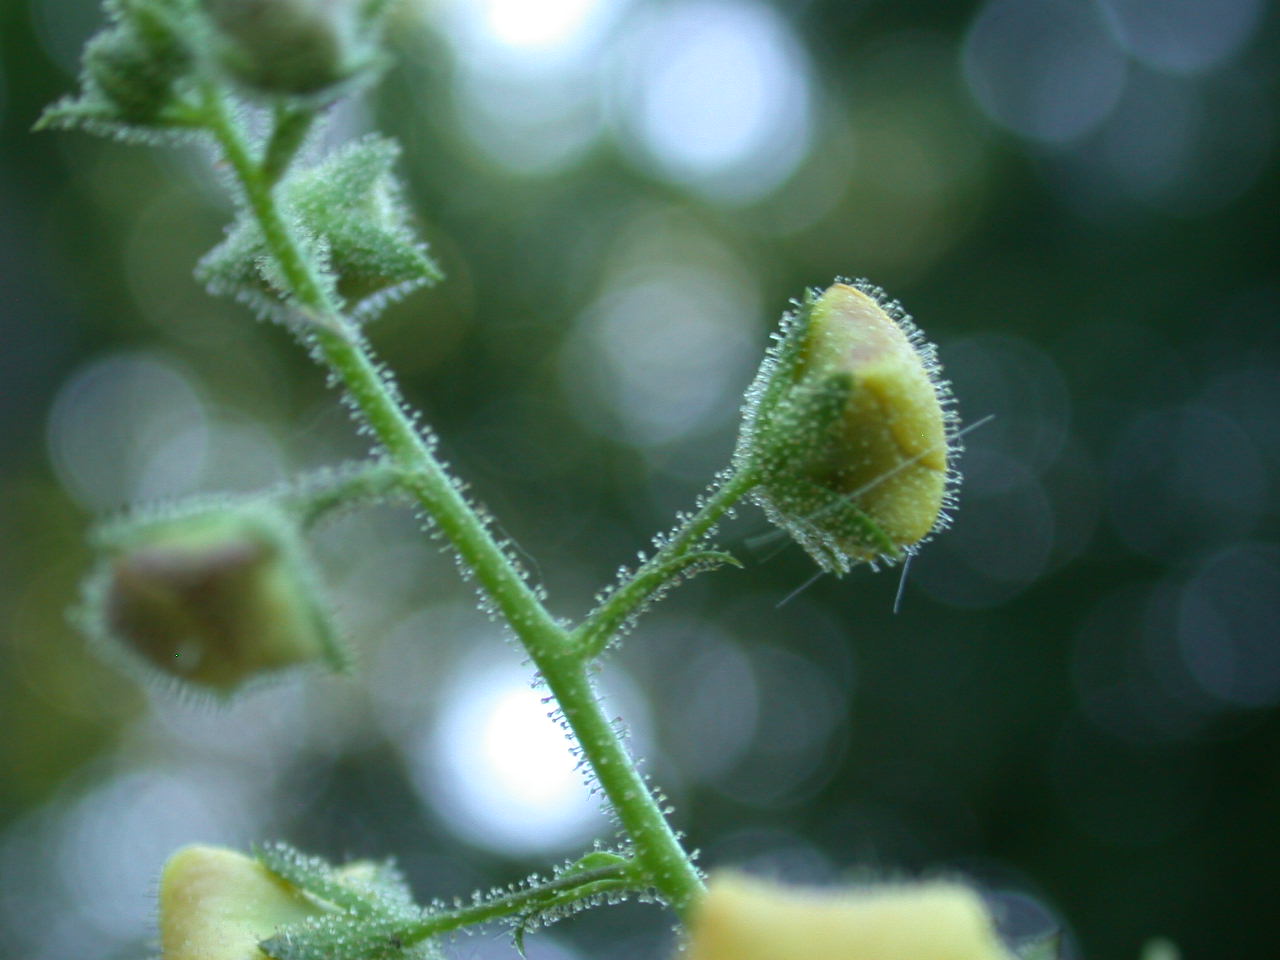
[1076,706]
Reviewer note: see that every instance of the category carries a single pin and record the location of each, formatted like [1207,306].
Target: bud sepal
[349,215]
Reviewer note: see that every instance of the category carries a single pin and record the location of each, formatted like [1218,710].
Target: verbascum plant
[849,443]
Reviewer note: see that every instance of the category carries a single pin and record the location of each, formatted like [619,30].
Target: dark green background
[1038,715]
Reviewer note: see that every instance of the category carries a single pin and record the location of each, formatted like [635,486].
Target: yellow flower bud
[217,904]
[850,431]
[745,919]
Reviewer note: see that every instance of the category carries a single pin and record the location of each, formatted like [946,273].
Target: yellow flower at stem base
[216,904]
[744,919]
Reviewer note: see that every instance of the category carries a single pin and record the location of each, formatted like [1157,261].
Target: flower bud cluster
[141,73]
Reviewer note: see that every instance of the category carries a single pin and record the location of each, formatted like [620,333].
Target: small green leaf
[365,887]
[374,912]
[313,875]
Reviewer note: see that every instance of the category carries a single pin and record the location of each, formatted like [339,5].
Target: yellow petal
[894,428]
[745,919]
[216,904]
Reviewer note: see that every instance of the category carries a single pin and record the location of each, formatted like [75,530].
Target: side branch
[683,548]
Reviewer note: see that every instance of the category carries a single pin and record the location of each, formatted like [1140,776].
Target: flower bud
[849,430]
[134,64]
[214,598]
[217,904]
[744,919]
[292,47]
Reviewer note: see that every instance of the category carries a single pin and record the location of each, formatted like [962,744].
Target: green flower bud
[293,47]
[849,429]
[743,919]
[134,65]
[214,598]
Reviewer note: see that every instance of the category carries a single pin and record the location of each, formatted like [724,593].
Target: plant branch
[657,847]
[317,495]
[595,632]
[375,398]
[526,901]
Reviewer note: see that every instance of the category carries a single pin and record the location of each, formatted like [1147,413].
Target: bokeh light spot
[1184,36]
[525,78]
[1045,69]
[1001,540]
[716,96]
[796,744]
[500,772]
[1229,626]
[527,30]
[666,349]
[1186,146]
[522,23]
[1185,478]
[1020,386]
[127,427]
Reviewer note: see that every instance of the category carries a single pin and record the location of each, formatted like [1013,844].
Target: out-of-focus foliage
[1077,705]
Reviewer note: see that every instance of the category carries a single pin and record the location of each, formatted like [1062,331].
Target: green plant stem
[315,496]
[587,883]
[372,393]
[596,631]
[669,867]
[376,400]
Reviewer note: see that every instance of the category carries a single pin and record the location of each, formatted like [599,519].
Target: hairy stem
[585,884]
[670,869]
[340,347]
[609,617]
[315,496]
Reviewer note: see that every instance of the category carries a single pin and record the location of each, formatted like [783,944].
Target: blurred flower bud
[744,919]
[216,904]
[849,429]
[134,64]
[214,598]
[293,47]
